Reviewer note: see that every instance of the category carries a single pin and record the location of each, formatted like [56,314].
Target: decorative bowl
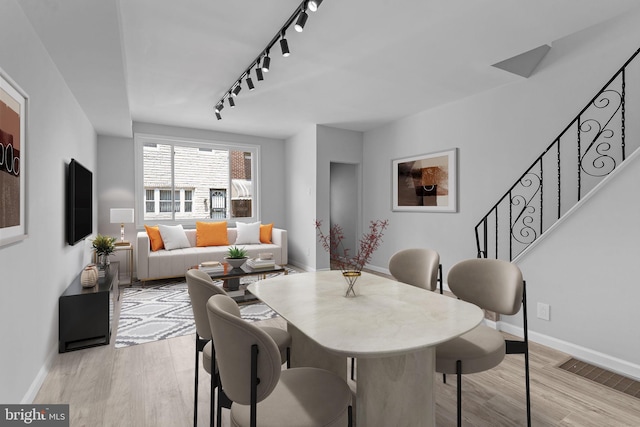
[236,262]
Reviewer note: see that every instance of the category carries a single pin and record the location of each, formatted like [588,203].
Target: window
[165,200]
[180,198]
[187,181]
[150,201]
[188,200]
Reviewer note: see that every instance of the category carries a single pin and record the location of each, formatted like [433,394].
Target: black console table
[86,314]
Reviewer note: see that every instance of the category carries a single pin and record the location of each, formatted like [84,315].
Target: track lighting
[263,62]
[284,46]
[302,19]
[313,5]
[237,89]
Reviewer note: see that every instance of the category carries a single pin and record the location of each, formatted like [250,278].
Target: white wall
[499,134]
[300,191]
[587,271]
[115,183]
[37,270]
[309,155]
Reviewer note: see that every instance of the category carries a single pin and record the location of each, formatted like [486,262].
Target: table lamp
[122,216]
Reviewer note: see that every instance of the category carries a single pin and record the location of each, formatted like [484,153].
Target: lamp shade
[121,216]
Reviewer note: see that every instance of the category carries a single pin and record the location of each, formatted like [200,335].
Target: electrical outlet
[543,311]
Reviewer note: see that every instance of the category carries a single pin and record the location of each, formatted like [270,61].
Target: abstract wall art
[13,103]
[426,182]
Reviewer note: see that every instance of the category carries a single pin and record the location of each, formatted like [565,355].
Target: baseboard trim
[588,355]
[378,269]
[300,265]
[34,388]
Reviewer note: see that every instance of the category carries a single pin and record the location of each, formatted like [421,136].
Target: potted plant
[236,256]
[104,246]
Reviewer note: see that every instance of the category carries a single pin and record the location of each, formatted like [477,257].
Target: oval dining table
[390,327]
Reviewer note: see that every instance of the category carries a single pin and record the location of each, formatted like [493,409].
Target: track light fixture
[302,19]
[284,46]
[313,5]
[250,82]
[237,89]
[263,62]
[266,63]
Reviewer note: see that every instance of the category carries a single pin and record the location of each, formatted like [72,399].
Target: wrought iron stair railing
[588,150]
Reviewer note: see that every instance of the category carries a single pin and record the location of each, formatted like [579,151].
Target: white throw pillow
[248,234]
[174,237]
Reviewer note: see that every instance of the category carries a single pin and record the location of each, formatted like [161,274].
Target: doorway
[344,201]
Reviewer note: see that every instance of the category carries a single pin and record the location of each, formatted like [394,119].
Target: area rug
[163,310]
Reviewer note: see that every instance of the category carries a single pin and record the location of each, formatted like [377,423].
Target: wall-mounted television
[79,202]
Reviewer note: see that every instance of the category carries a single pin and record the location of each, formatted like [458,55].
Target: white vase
[89,276]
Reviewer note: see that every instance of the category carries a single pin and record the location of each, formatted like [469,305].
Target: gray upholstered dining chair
[418,267]
[493,285]
[252,377]
[201,287]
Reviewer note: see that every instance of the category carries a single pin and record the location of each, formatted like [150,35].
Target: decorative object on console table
[122,216]
[13,189]
[104,246]
[89,276]
[351,266]
[426,183]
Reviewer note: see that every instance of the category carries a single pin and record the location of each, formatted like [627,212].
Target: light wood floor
[152,385]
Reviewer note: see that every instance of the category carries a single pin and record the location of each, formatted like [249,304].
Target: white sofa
[151,265]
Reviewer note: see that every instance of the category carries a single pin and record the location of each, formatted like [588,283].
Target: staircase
[585,153]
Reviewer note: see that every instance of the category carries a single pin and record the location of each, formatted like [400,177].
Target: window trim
[140,139]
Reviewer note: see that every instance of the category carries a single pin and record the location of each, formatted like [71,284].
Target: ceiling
[357,65]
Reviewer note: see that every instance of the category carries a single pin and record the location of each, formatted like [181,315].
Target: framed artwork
[13,107]
[426,183]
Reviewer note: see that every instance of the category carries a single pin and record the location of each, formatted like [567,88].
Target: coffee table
[231,279]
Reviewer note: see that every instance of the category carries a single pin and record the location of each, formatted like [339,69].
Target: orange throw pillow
[265,233]
[211,233]
[154,237]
